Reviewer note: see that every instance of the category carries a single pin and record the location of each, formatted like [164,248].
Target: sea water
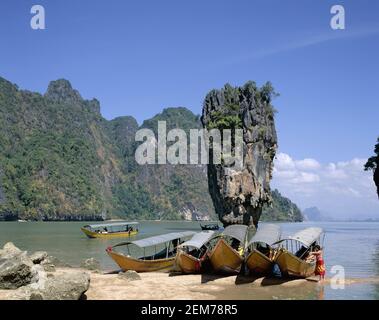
[354,246]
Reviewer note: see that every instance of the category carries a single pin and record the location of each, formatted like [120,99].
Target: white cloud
[308,164]
[284,161]
[342,189]
[305,177]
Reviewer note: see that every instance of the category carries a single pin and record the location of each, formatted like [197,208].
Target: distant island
[314,214]
[60,160]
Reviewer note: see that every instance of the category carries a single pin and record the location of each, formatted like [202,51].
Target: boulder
[129,275]
[38,256]
[16,268]
[91,264]
[68,286]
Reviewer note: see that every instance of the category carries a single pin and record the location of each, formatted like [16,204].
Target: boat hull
[90,234]
[186,263]
[292,266]
[128,263]
[258,263]
[211,228]
[224,259]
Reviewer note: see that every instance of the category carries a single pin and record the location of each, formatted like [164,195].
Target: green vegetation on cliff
[61,160]
[282,209]
[229,116]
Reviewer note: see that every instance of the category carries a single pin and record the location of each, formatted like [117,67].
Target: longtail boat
[227,255]
[210,226]
[292,256]
[259,251]
[158,252]
[192,253]
[120,229]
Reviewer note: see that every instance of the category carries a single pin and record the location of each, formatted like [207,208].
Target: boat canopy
[199,239]
[266,233]
[307,236]
[152,241]
[112,224]
[236,231]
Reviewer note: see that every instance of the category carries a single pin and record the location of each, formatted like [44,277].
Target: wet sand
[165,286]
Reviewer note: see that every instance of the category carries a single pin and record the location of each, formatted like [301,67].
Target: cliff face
[282,209]
[56,160]
[61,160]
[239,194]
[376,180]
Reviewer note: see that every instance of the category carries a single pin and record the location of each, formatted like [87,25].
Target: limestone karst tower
[238,194]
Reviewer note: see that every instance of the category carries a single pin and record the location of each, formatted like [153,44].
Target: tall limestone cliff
[56,160]
[61,160]
[239,194]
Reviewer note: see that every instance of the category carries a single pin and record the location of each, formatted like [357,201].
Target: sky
[138,57]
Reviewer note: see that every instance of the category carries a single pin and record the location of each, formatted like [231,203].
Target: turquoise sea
[352,245]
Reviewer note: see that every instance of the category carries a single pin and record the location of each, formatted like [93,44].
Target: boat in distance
[111,230]
[193,253]
[292,255]
[210,226]
[260,255]
[161,257]
[227,255]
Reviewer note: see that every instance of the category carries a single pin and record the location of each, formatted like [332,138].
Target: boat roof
[307,236]
[152,241]
[236,231]
[199,239]
[112,224]
[266,233]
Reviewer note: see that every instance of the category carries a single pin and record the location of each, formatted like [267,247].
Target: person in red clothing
[320,264]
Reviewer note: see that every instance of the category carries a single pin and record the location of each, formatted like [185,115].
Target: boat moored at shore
[193,253]
[158,252]
[292,257]
[259,252]
[227,255]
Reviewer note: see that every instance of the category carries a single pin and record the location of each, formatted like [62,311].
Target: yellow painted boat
[129,263]
[159,261]
[259,263]
[227,257]
[193,253]
[187,263]
[112,230]
[292,266]
[259,252]
[292,255]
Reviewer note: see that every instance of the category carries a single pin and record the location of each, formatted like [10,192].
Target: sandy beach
[166,286]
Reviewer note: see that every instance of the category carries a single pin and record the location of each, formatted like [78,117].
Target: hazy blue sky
[137,57]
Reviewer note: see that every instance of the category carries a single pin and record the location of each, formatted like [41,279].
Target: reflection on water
[353,245]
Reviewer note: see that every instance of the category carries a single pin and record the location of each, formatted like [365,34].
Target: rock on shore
[31,278]
[70,286]
[16,268]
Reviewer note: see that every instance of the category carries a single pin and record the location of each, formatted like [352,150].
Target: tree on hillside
[373,164]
